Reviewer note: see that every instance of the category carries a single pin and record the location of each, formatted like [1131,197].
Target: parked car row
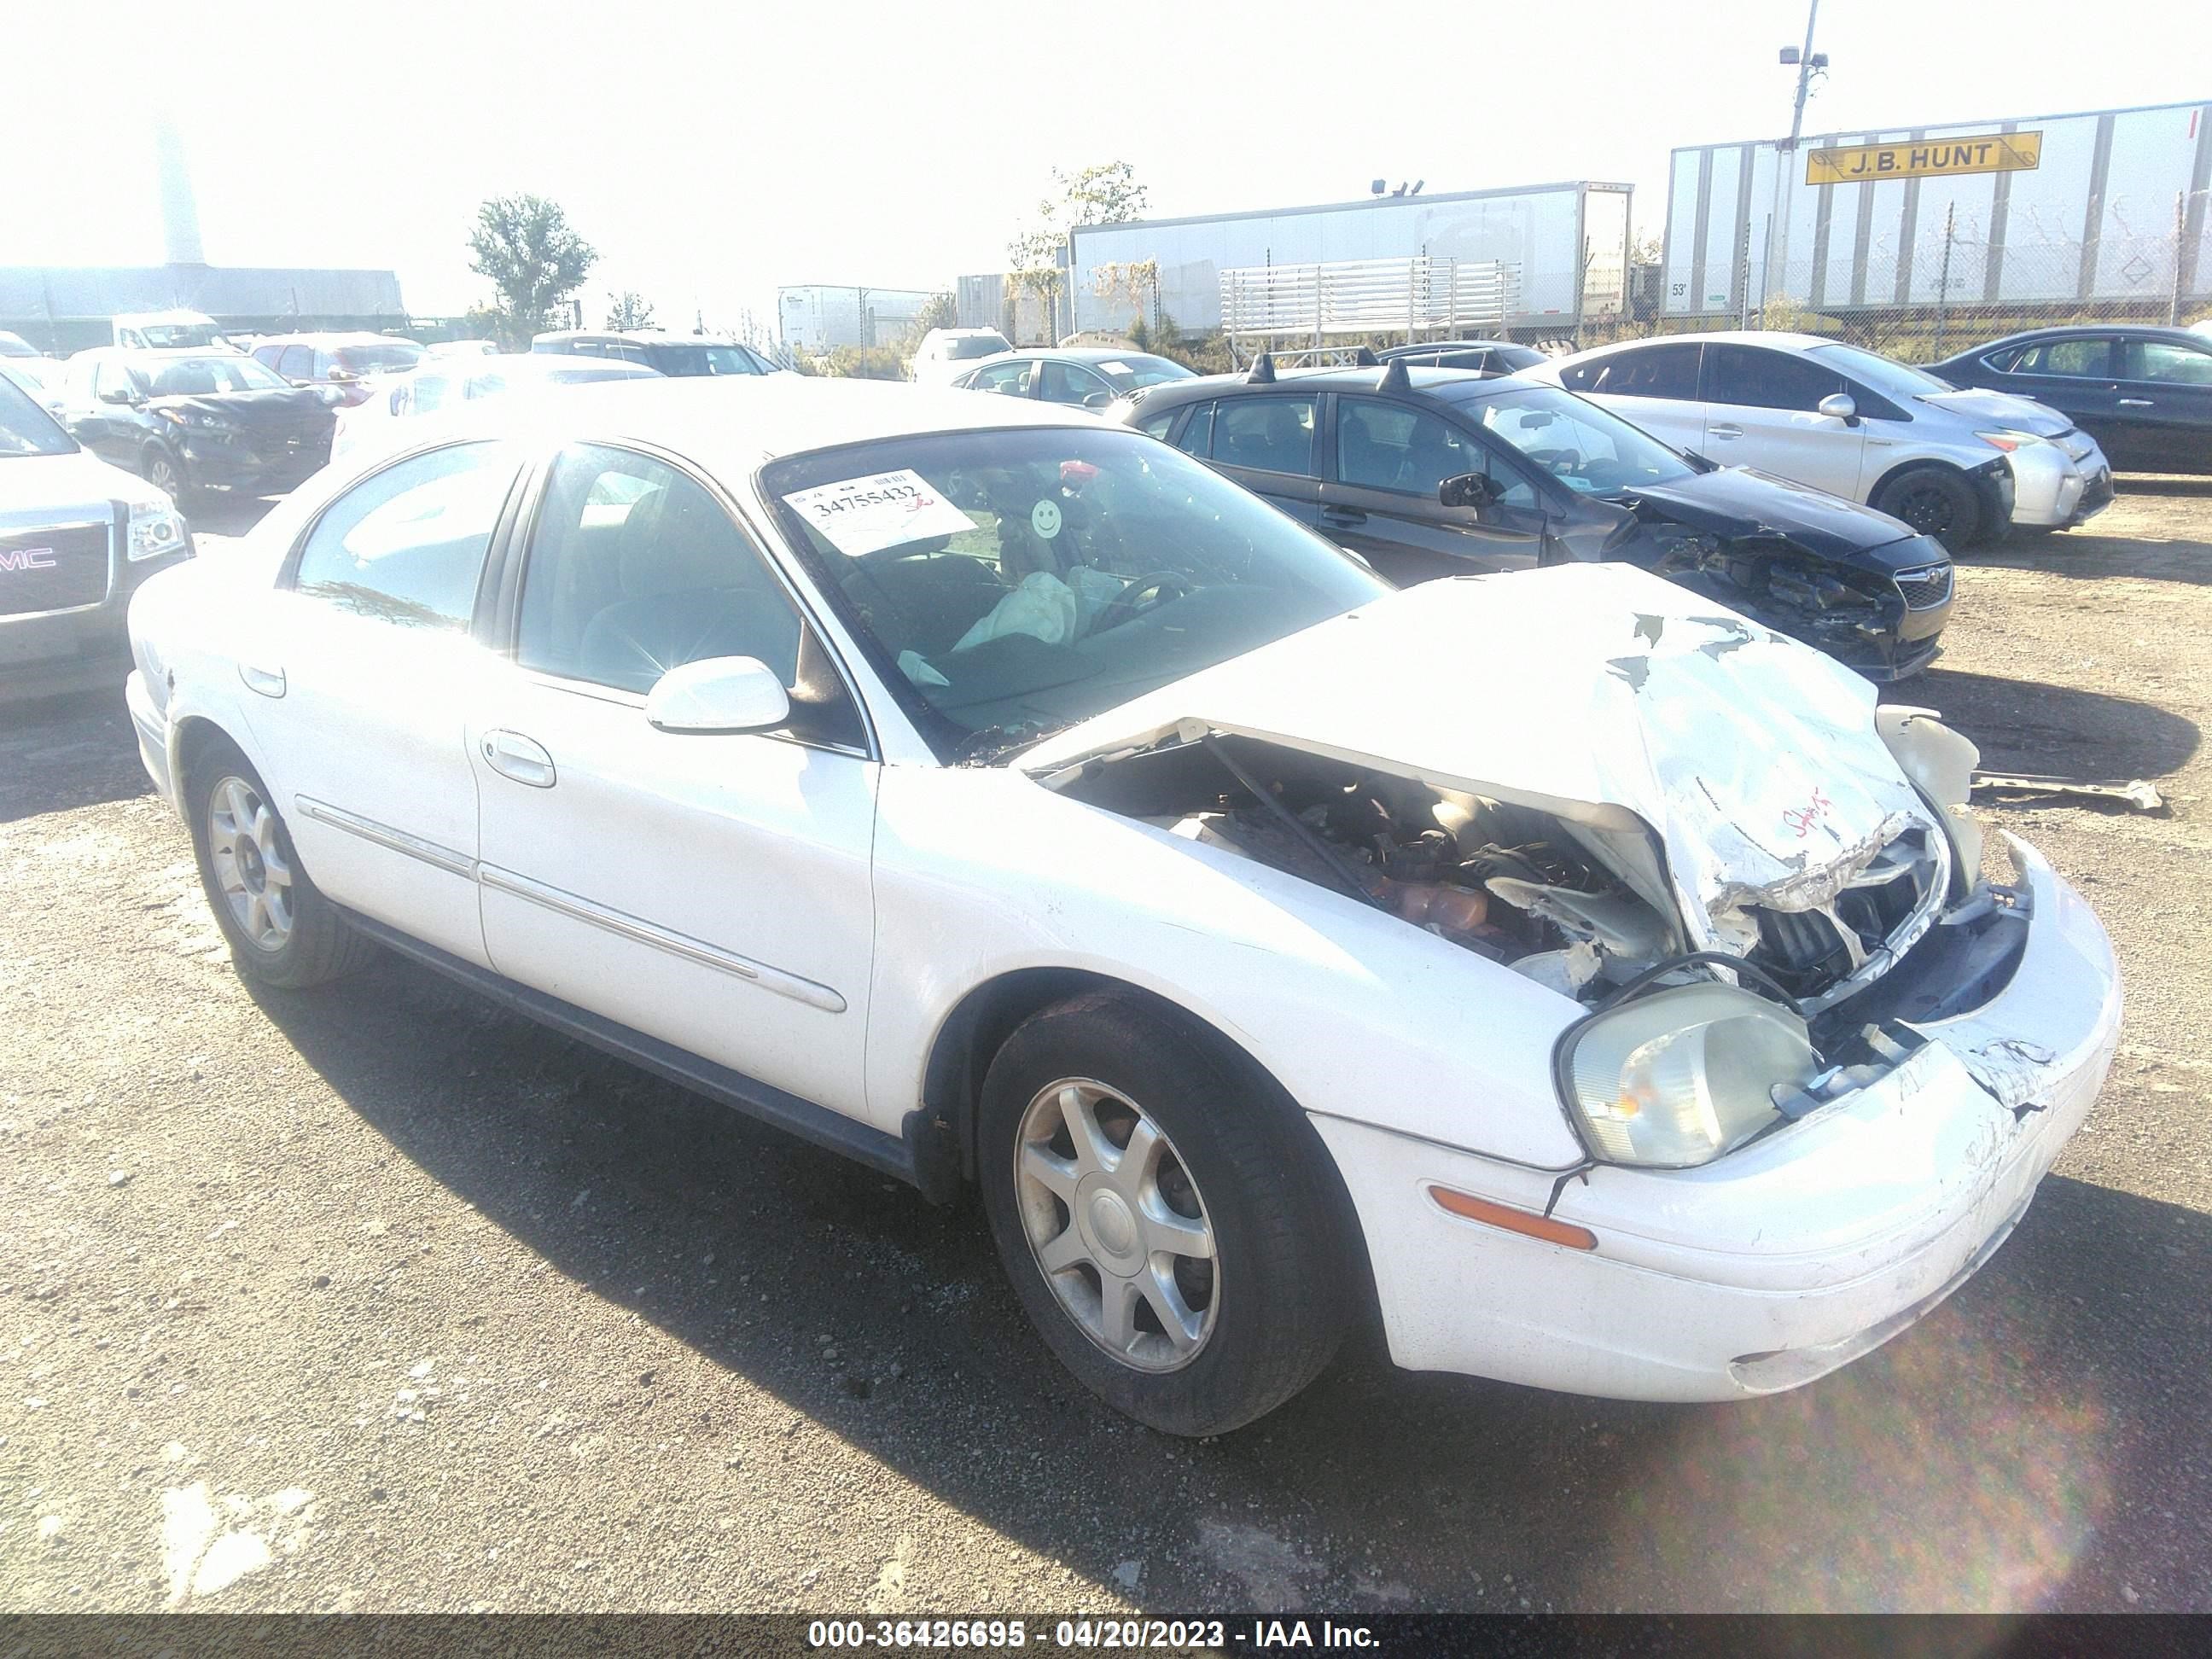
[1590,982]
[1430,472]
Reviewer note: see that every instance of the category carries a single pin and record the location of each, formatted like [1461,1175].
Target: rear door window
[2086,359]
[406,545]
[1758,378]
[1266,435]
[1011,379]
[1659,371]
[1197,437]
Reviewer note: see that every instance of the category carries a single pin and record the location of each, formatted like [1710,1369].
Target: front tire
[283,933]
[1937,501]
[1173,1227]
[167,474]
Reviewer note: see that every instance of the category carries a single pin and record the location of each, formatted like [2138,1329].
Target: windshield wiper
[990,745]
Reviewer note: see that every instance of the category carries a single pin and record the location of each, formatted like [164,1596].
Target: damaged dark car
[1430,472]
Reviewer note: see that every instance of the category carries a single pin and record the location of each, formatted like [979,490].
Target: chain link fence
[1949,289]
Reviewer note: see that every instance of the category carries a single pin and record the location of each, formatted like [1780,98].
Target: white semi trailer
[1569,243]
[2064,212]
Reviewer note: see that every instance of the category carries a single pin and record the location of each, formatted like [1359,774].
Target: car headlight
[1679,1077]
[156,528]
[2009,441]
[199,420]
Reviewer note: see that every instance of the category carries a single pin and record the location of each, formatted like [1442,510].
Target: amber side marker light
[1516,1221]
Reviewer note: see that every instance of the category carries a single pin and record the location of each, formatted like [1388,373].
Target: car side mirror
[1840,406]
[1098,400]
[1476,489]
[717,694]
[118,395]
[298,385]
[339,376]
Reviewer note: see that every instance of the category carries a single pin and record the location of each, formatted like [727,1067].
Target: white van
[159,331]
[943,352]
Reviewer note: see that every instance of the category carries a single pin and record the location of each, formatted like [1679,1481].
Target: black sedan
[188,421]
[1429,472]
[2143,393]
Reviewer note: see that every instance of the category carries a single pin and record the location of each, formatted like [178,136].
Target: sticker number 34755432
[864,515]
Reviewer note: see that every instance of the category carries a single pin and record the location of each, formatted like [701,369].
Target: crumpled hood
[293,409]
[1590,691]
[1737,500]
[2000,410]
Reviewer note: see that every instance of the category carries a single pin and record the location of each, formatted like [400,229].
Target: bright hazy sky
[713,152]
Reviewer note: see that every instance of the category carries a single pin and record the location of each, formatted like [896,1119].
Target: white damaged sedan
[1597,984]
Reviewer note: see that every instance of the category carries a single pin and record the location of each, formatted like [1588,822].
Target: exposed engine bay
[1579,908]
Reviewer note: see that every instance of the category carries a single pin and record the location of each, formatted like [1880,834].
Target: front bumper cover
[1781,1260]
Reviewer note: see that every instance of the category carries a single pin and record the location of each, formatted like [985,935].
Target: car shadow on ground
[2145,551]
[57,753]
[215,513]
[2016,1449]
[2053,730]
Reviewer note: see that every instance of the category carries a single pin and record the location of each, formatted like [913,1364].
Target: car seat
[692,589]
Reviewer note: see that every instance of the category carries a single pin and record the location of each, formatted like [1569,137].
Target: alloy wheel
[161,473]
[1928,510]
[1116,1224]
[251,869]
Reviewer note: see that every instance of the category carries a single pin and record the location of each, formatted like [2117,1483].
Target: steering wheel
[1146,594]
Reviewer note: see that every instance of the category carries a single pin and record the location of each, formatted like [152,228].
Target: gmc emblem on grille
[27,558]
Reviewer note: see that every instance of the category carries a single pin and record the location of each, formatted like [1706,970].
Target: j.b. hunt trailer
[2105,209]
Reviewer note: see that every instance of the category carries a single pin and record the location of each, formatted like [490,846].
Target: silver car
[1959,465]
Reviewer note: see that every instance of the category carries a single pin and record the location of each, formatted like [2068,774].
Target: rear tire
[283,933]
[1937,501]
[1195,1198]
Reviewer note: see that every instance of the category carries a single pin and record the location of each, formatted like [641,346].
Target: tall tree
[524,244]
[1108,194]
[627,310]
[938,311]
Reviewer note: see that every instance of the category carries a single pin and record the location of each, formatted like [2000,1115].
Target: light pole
[1807,61]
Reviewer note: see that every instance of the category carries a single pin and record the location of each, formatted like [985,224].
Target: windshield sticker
[1113,368]
[860,516]
[1044,519]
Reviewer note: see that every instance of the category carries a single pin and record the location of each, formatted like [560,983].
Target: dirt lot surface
[385,1299]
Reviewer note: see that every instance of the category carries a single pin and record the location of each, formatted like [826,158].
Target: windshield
[692,359]
[195,377]
[1011,583]
[1899,380]
[1587,449]
[974,346]
[395,355]
[1126,374]
[170,336]
[26,430]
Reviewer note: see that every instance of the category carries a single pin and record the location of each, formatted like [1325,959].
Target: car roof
[1078,353]
[636,336]
[1445,385]
[534,362]
[335,337]
[734,422]
[1782,339]
[2067,331]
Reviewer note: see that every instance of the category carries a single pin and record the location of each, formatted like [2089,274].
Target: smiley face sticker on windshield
[1044,519]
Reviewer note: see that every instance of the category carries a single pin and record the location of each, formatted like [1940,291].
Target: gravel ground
[385,1299]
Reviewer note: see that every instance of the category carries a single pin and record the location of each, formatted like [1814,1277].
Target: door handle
[1342,518]
[1723,432]
[269,682]
[524,759]
[2135,403]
